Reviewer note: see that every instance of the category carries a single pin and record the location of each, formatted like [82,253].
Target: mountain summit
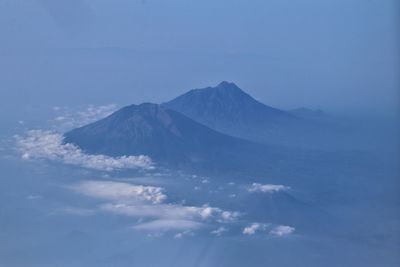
[228,109]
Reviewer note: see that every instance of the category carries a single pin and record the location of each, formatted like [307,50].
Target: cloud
[172,212]
[120,191]
[282,230]
[68,118]
[147,203]
[279,231]
[33,197]
[168,225]
[267,188]
[184,233]
[254,227]
[75,211]
[39,144]
[219,231]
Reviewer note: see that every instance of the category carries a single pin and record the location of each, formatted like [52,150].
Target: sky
[341,56]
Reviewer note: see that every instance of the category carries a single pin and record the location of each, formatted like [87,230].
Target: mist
[339,56]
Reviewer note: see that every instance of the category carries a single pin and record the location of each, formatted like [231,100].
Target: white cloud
[168,225]
[172,211]
[120,191]
[147,203]
[219,231]
[282,230]
[184,233]
[267,188]
[41,144]
[254,227]
[68,118]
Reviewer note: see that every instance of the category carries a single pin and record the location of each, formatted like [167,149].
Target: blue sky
[341,56]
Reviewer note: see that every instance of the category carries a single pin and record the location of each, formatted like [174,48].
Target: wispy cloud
[147,203]
[39,144]
[254,227]
[282,230]
[219,231]
[69,118]
[172,211]
[121,191]
[267,188]
[184,233]
[167,225]
[75,211]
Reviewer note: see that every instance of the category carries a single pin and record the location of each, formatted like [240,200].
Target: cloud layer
[39,144]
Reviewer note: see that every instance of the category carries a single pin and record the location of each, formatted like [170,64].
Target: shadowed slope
[151,130]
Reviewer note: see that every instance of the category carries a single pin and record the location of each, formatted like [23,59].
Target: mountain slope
[228,109]
[225,107]
[151,130]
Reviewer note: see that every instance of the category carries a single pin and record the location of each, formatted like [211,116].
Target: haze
[340,56]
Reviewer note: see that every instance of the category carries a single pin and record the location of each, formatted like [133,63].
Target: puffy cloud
[41,144]
[254,227]
[219,231]
[267,188]
[120,191]
[282,230]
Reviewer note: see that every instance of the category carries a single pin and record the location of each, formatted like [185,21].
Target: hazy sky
[338,55]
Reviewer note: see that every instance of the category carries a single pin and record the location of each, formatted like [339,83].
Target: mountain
[152,130]
[172,139]
[228,109]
